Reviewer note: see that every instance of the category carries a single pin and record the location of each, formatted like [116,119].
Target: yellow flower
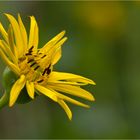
[34,66]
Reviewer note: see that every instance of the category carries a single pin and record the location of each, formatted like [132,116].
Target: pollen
[30,66]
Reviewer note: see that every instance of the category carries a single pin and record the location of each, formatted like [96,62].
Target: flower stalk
[4,100]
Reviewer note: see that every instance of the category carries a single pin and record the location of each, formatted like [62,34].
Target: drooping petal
[4,33]
[17,33]
[46,92]
[30,89]
[34,35]
[73,90]
[23,31]
[66,98]
[55,76]
[16,89]
[63,82]
[12,66]
[66,108]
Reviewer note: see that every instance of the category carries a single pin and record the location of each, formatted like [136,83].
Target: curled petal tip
[10,104]
[92,98]
[65,38]
[32,97]
[63,32]
[6,14]
[92,82]
[70,118]
[87,106]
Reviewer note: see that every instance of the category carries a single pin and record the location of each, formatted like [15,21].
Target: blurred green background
[104,45]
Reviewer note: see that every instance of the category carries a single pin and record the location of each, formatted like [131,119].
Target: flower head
[33,66]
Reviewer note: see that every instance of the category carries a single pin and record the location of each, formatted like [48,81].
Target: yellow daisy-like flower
[34,66]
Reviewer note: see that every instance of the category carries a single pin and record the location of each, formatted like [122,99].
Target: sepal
[9,78]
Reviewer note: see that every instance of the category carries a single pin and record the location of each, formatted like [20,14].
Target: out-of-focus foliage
[104,45]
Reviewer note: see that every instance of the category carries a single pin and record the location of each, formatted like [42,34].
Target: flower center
[30,66]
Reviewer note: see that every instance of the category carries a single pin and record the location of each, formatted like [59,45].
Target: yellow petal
[56,51]
[23,31]
[63,97]
[73,90]
[46,92]
[52,42]
[33,37]
[17,33]
[36,36]
[16,89]
[57,47]
[4,46]
[54,76]
[12,66]
[57,56]
[11,41]
[51,59]
[4,33]
[30,89]
[66,108]
[66,83]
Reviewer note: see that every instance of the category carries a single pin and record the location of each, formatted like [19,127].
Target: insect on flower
[32,67]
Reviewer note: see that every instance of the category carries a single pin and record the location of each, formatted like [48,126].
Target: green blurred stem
[4,100]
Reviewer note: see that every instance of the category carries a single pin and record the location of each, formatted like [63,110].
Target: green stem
[4,100]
